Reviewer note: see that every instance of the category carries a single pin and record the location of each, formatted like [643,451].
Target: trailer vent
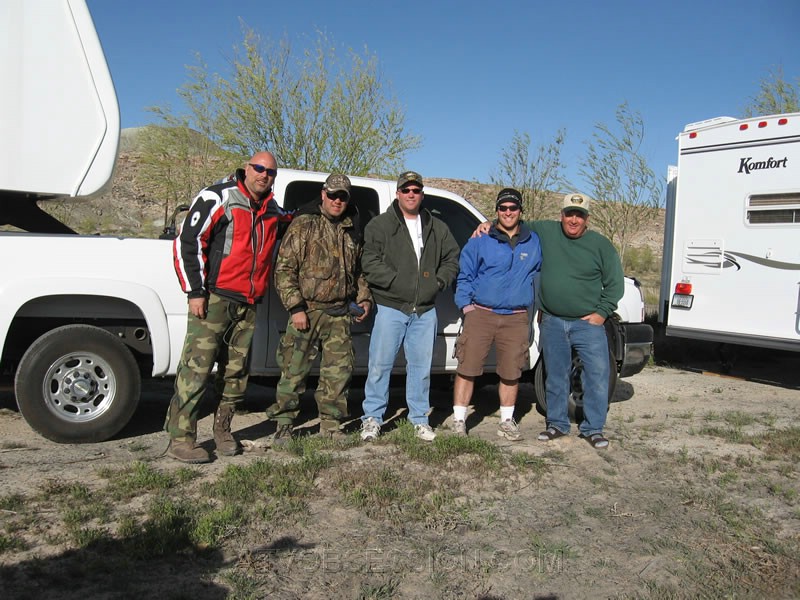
[766,209]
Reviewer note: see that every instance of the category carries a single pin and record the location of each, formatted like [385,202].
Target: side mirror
[170,229]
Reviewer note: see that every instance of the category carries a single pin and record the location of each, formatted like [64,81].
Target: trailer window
[767,209]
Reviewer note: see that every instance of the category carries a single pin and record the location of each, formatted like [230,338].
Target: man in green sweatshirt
[581,283]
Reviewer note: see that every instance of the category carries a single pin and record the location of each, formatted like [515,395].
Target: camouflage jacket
[319,263]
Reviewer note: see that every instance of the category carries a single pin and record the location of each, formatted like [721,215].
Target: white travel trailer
[731,270]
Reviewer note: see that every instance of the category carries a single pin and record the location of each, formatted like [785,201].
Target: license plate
[682,300]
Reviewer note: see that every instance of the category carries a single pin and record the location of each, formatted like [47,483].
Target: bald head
[259,174]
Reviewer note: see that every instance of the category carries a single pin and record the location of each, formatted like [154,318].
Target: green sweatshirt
[579,276]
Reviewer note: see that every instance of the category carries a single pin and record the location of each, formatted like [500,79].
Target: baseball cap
[576,202]
[409,177]
[508,196]
[336,182]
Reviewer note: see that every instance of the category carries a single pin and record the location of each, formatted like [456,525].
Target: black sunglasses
[411,190]
[338,196]
[507,208]
[262,169]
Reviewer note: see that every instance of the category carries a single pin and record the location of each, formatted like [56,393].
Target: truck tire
[77,384]
[575,401]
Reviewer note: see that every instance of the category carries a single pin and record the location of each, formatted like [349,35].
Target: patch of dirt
[674,508]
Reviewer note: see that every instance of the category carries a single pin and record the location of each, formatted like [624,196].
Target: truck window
[768,209]
[365,199]
[461,222]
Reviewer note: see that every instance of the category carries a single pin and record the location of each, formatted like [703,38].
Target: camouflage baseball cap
[336,182]
[409,177]
[576,202]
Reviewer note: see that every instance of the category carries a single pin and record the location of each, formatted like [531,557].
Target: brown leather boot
[188,452]
[223,438]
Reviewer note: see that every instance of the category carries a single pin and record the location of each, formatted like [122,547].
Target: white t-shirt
[415,231]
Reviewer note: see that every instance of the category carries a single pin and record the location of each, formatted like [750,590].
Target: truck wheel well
[119,317]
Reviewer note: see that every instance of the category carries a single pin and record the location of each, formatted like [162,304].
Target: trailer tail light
[683,298]
[743,126]
[762,123]
[783,121]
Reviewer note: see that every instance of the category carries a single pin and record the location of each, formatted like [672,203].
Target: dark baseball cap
[508,196]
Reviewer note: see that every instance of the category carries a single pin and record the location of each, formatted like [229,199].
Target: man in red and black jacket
[223,257]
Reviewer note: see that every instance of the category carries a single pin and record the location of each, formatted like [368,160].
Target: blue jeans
[417,333]
[559,337]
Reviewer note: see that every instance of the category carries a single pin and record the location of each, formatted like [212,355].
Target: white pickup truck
[84,318]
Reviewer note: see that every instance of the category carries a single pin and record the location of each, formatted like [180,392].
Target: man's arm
[190,248]
[486,225]
[448,265]
[287,269]
[377,273]
[363,295]
[467,273]
[481,229]
[613,281]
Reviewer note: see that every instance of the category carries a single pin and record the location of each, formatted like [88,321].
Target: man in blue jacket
[495,293]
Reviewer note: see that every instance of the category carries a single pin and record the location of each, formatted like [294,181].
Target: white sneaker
[508,429]
[459,428]
[370,430]
[424,432]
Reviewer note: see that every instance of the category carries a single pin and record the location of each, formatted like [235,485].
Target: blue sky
[469,73]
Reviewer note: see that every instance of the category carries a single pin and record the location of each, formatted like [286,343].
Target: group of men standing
[326,276]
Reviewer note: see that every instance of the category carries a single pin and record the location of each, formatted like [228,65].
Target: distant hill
[125,209]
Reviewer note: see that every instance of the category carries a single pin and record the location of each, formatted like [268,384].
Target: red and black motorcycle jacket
[226,242]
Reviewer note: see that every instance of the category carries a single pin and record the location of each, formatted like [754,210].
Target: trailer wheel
[575,400]
[77,384]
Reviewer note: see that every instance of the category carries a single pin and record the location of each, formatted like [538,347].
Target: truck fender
[14,298]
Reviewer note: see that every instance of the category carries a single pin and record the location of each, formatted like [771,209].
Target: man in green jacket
[409,257]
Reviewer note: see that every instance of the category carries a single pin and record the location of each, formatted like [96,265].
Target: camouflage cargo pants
[296,353]
[223,337]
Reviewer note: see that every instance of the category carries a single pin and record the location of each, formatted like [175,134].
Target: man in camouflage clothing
[224,276]
[318,279]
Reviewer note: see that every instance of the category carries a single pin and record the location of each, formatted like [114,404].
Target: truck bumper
[638,348]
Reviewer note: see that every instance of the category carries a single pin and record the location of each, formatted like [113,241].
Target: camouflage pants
[223,337]
[296,354]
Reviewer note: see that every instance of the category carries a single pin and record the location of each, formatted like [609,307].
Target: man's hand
[300,321]
[594,319]
[365,305]
[198,307]
[481,229]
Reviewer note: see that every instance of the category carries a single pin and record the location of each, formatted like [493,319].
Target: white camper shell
[59,101]
[731,270]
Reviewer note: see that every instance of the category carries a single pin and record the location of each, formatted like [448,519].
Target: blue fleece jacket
[496,274]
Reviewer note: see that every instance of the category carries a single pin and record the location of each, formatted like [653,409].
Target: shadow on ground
[113,568]
[762,365]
